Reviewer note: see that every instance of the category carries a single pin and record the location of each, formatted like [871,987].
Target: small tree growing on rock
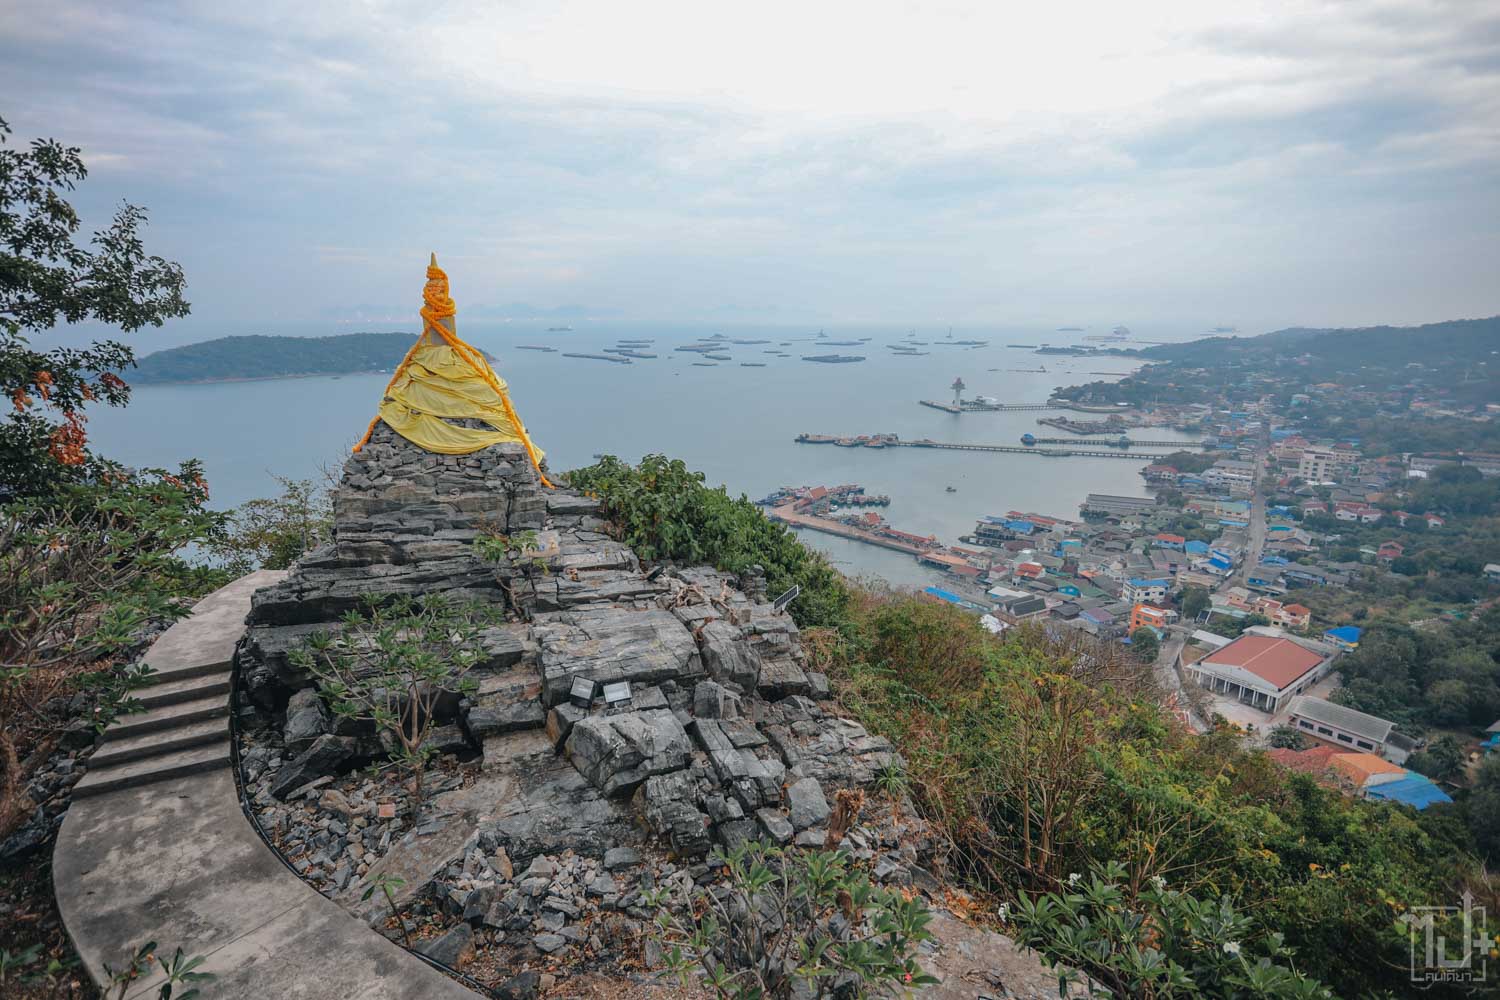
[515,552]
[392,663]
[787,924]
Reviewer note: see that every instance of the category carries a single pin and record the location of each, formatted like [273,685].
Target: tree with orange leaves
[49,276]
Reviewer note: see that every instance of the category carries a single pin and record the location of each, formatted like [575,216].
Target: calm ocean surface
[734,424]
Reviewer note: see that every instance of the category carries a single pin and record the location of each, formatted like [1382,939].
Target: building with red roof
[1262,671]
[1317,761]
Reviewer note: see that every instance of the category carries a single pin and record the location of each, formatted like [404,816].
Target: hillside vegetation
[274,357]
[1071,798]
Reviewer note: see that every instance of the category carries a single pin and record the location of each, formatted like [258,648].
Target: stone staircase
[183,727]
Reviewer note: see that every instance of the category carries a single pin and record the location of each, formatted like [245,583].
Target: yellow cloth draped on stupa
[443,377]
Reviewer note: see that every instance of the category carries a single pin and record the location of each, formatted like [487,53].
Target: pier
[892,441]
[1123,442]
[972,407]
[788,516]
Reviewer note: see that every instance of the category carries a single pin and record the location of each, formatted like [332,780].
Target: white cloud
[909,156]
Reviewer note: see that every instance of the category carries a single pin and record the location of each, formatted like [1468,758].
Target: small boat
[951,489]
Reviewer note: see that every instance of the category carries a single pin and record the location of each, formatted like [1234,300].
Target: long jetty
[990,407]
[1129,442]
[891,442]
[976,407]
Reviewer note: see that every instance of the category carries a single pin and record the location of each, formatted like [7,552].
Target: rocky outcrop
[698,722]
[404,524]
[721,721]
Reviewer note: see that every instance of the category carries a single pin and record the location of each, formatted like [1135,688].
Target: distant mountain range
[1460,341]
[253,357]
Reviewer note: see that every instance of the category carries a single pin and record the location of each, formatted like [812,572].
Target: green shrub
[274,532]
[664,511]
[1160,943]
[391,663]
[791,924]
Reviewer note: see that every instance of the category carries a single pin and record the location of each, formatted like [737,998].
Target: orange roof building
[1317,761]
[1262,671]
[1365,769]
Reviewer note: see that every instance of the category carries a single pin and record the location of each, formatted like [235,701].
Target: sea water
[737,425]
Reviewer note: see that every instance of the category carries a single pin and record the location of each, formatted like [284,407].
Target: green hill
[273,357]
[1456,342]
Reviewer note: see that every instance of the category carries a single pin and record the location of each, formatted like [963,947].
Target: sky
[1251,164]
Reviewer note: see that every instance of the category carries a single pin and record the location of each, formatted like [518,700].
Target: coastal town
[1243,574]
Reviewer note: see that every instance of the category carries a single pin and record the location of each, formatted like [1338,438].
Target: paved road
[1166,673]
[1257,533]
[1169,680]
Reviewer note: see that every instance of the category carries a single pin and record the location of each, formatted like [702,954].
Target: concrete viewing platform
[156,848]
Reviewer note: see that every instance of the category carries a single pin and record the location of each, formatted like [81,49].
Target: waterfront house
[1116,506]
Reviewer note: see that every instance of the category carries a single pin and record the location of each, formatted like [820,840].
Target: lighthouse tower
[958,388]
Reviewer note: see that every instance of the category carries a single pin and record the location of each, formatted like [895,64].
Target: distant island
[230,359]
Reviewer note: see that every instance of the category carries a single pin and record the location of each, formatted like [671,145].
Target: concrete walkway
[173,859]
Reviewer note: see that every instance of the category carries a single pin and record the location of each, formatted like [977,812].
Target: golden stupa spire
[442,380]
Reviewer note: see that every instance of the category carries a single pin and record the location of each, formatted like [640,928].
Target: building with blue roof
[1345,636]
[1415,790]
[1144,591]
[940,594]
[1196,548]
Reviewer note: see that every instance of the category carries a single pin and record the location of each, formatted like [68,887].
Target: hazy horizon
[1275,165]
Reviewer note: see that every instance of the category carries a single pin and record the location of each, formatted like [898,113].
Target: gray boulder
[666,803]
[775,826]
[618,752]
[326,756]
[711,700]
[808,806]
[306,720]
[454,949]
[492,720]
[728,659]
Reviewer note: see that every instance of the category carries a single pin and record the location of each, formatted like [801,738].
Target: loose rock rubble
[553,806]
